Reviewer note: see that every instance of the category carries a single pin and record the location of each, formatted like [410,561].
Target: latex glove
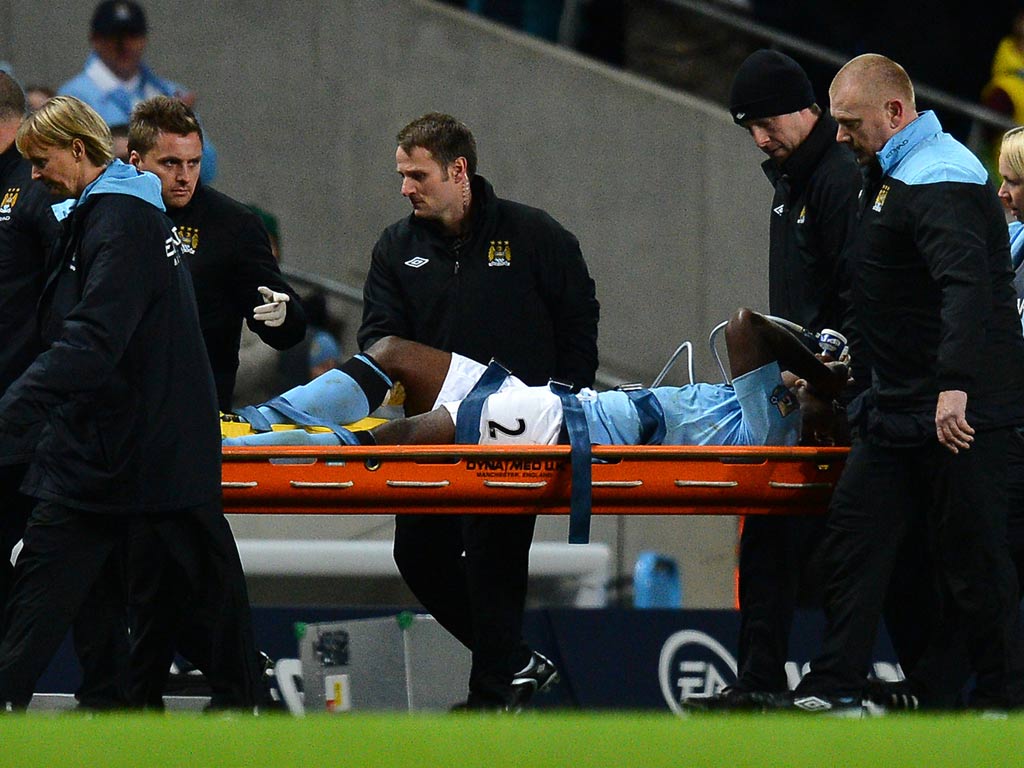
[273,309]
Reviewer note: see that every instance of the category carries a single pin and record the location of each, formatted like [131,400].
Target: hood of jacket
[118,178]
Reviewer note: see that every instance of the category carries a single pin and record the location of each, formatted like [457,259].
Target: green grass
[466,741]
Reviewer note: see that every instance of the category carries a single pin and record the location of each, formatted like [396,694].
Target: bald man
[932,296]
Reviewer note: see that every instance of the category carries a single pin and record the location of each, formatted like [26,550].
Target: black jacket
[28,230]
[517,289]
[124,388]
[229,255]
[932,287]
[812,215]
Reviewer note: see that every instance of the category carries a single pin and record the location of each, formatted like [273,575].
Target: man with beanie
[816,182]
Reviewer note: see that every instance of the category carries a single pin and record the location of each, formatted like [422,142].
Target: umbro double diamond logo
[812,704]
[780,210]
[416,262]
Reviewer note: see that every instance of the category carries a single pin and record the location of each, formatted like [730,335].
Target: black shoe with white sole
[539,675]
[732,699]
[817,704]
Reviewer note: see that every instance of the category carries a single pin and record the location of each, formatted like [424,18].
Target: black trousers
[14,511]
[195,574]
[944,671]
[884,496]
[1015,500]
[66,554]
[777,567]
[470,572]
[209,620]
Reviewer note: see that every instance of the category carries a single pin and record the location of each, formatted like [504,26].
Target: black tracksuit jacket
[812,217]
[28,230]
[517,289]
[124,387]
[229,255]
[933,287]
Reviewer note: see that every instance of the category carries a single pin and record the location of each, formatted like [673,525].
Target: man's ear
[896,113]
[134,158]
[459,170]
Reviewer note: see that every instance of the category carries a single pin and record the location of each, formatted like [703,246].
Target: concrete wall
[303,100]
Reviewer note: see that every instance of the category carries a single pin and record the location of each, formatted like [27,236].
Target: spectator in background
[115,78]
[1004,93]
[324,353]
[593,27]
[682,48]
[37,95]
[119,133]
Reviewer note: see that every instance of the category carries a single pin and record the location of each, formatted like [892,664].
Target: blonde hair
[1012,149]
[59,122]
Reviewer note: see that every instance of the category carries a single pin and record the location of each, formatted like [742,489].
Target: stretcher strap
[580,454]
[257,420]
[467,422]
[303,419]
[652,416]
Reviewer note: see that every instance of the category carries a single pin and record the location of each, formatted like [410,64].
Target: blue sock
[340,396]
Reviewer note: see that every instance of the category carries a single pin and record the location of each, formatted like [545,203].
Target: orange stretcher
[633,480]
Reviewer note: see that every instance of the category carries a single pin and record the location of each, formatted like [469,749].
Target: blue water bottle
[656,582]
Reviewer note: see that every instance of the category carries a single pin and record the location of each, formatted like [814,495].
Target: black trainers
[837,706]
[537,676]
[732,699]
[892,695]
[475,705]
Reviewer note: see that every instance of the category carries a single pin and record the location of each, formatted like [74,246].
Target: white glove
[273,309]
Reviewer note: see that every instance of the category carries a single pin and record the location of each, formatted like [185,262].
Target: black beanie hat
[769,83]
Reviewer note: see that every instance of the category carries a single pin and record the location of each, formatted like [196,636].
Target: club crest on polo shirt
[189,237]
[880,199]
[783,399]
[8,202]
[803,215]
[499,254]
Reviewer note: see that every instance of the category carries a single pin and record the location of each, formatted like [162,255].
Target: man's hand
[273,309]
[951,421]
[841,377]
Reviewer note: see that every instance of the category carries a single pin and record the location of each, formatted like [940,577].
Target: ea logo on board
[693,663]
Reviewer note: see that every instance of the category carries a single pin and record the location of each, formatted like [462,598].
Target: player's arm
[754,341]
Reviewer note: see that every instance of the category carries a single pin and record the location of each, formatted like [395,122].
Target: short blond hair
[1012,149]
[59,122]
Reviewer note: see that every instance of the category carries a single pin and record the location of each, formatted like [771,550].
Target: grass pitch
[573,740]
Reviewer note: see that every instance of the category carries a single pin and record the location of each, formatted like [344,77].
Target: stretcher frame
[463,479]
